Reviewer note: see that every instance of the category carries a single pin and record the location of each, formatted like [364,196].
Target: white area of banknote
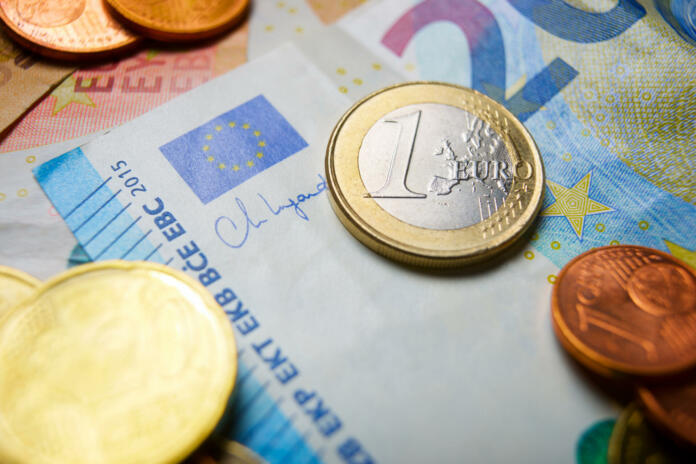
[271,25]
[33,236]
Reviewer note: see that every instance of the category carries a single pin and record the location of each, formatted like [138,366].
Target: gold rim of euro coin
[223,451]
[235,452]
[392,120]
[113,362]
[15,286]
[179,21]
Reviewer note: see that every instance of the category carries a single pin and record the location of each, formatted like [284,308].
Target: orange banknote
[96,98]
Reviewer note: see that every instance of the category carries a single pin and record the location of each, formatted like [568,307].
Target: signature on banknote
[237,236]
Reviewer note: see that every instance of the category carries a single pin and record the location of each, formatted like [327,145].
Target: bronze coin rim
[236,15]
[64,53]
[660,416]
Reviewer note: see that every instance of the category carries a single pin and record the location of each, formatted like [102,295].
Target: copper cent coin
[66,29]
[673,407]
[179,20]
[627,310]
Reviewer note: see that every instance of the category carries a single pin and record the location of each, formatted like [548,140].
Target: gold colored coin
[15,286]
[433,174]
[634,441]
[222,451]
[66,29]
[113,362]
[179,21]
[233,452]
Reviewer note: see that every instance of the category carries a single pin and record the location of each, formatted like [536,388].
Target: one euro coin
[113,362]
[433,174]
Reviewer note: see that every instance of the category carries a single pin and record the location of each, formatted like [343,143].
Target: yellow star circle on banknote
[113,362]
[433,174]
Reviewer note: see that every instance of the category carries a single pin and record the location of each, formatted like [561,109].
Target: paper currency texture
[24,78]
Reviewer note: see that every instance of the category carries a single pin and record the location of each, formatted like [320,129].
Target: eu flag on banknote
[232,148]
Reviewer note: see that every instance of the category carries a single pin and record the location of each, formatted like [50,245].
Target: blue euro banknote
[232,148]
[607,89]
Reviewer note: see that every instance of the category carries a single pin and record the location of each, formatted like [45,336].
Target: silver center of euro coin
[435,166]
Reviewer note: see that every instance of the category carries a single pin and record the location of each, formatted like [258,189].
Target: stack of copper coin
[629,313]
[80,30]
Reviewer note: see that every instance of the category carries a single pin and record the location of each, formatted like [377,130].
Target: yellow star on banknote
[65,94]
[686,255]
[574,203]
